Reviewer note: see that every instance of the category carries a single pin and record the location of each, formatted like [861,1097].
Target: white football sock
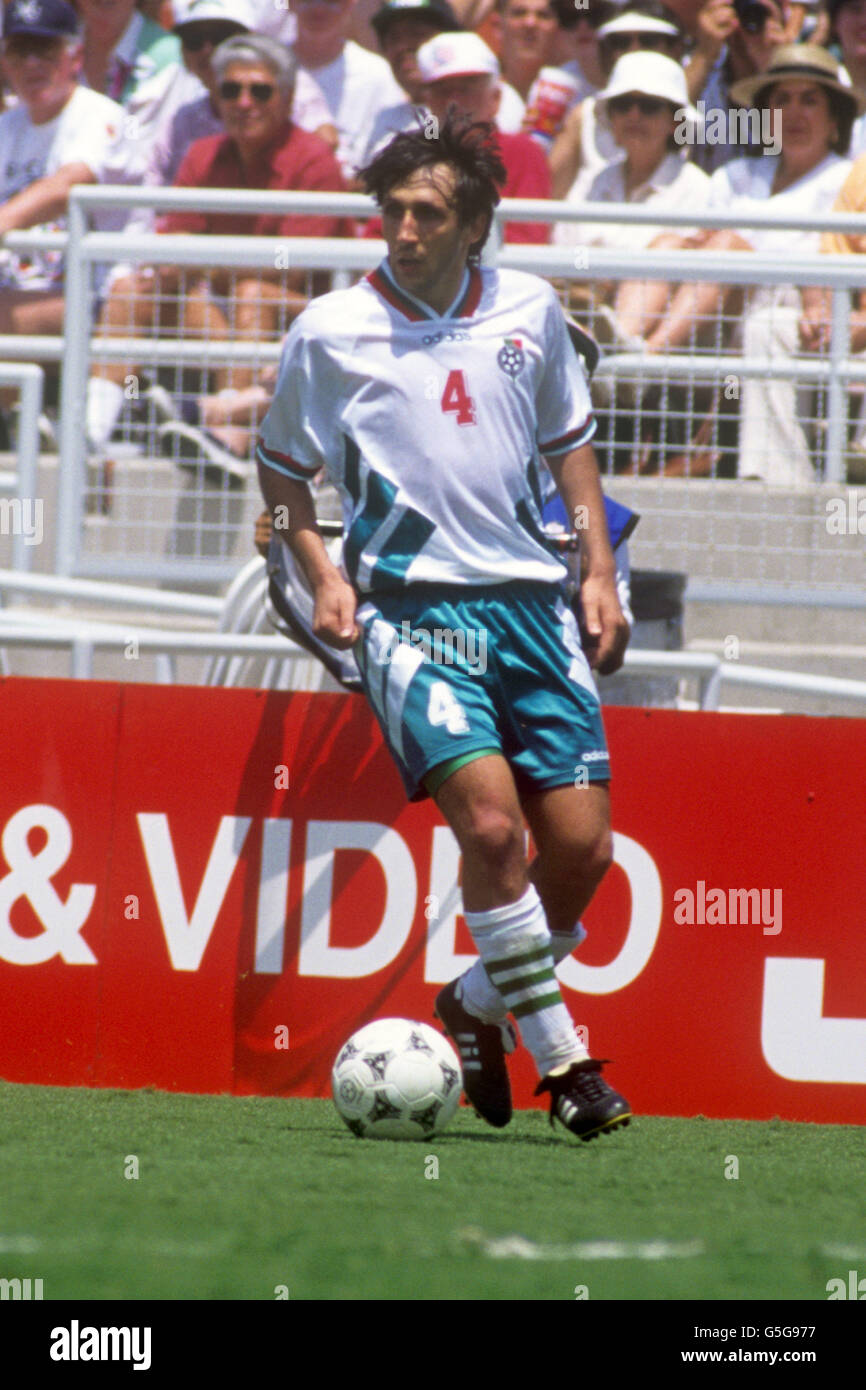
[483,999]
[105,402]
[515,945]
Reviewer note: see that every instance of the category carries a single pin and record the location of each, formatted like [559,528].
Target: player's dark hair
[469,147]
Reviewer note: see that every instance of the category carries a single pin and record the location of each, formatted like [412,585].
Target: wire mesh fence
[736,441]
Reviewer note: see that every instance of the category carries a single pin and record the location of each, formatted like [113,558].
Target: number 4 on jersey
[456,399]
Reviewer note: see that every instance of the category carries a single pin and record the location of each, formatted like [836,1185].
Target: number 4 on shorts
[443,707]
[456,400]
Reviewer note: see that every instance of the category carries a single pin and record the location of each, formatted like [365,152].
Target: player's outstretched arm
[294,515]
[605,629]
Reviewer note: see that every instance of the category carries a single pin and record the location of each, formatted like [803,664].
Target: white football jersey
[432,426]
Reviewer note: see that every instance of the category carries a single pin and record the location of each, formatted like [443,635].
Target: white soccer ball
[395,1079]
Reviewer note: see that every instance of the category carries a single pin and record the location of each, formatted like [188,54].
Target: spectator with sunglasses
[260,148]
[577,48]
[643,104]
[586,145]
[191,110]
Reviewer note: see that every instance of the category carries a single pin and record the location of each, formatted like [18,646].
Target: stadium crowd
[695,105]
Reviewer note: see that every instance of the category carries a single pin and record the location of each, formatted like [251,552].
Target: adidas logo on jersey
[450,335]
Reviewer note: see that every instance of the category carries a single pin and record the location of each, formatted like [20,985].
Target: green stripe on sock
[535,1006]
[534,977]
[520,958]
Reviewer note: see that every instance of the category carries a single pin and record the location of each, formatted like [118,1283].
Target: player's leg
[505,914]
[556,732]
[571,829]
[480,803]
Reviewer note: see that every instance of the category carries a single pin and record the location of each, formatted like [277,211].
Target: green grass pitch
[261,1198]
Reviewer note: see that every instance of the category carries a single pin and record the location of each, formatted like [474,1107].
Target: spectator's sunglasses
[647,106]
[618,44]
[199,36]
[259,91]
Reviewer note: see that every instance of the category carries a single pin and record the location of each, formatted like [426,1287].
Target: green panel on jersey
[380,499]
[403,544]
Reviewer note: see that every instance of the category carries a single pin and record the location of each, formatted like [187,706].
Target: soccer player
[430,392]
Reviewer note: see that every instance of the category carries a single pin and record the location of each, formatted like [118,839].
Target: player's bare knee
[493,836]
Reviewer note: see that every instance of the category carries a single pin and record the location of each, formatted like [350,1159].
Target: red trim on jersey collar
[394,296]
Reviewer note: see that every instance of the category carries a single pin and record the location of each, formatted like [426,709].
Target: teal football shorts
[452,671]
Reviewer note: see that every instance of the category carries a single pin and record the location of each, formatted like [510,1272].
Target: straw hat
[806,63]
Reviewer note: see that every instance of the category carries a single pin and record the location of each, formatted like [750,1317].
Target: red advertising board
[209,890]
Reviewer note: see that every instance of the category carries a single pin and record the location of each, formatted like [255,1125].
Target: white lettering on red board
[799,1041]
[30,877]
[316,955]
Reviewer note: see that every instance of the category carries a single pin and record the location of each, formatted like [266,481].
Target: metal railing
[231,653]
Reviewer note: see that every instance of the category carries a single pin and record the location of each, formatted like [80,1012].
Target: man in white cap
[461,71]
[58,135]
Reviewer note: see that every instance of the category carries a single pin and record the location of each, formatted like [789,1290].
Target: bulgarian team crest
[511,357]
